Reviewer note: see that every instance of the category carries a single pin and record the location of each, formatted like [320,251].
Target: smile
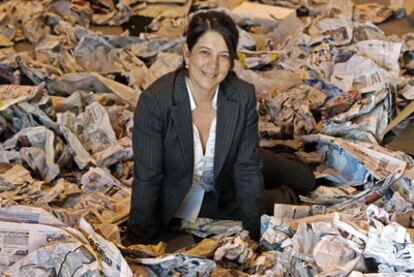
[209,75]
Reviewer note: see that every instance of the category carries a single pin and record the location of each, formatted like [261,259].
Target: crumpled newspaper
[206,227]
[388,242]
[35,242]
[236,250]
[372,12]
[66,118]
[178,265]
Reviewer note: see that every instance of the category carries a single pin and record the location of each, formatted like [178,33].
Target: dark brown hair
[214,21]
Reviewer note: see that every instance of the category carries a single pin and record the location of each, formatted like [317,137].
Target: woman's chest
[202,120]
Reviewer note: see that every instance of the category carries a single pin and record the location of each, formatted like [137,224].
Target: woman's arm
[148,169]
[247,172]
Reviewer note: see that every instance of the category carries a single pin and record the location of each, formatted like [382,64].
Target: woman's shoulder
[162,85]
[161,90]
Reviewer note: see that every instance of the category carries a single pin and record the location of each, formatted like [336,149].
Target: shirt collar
[192,101]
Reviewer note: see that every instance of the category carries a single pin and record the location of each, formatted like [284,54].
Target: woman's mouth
[209,75]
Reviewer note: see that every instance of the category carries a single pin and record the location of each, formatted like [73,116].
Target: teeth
[209,74]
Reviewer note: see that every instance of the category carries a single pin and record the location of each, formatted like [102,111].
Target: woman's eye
[225,57]
[205,52]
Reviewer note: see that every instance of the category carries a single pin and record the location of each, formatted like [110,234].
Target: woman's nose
[214,61]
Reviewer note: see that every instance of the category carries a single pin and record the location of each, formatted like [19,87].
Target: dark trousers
[285,177]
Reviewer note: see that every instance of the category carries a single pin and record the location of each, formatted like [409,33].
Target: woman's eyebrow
[208,48]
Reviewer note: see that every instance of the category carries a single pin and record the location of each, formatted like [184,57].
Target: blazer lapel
[227,117]
[181,115]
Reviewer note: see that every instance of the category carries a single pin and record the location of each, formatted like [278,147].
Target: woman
[195,140]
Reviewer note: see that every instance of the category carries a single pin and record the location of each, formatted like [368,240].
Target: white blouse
[203,167]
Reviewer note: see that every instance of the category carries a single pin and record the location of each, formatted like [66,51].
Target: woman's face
[208,62]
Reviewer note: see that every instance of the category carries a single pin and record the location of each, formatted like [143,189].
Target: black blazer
[164,155]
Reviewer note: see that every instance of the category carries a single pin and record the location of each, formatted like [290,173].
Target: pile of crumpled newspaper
[327,85]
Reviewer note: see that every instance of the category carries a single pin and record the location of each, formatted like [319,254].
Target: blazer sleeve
[148,169]
[248,174]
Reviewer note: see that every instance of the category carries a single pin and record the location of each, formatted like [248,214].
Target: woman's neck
[201,96]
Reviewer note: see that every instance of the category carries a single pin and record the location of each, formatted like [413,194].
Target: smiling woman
[195,139]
